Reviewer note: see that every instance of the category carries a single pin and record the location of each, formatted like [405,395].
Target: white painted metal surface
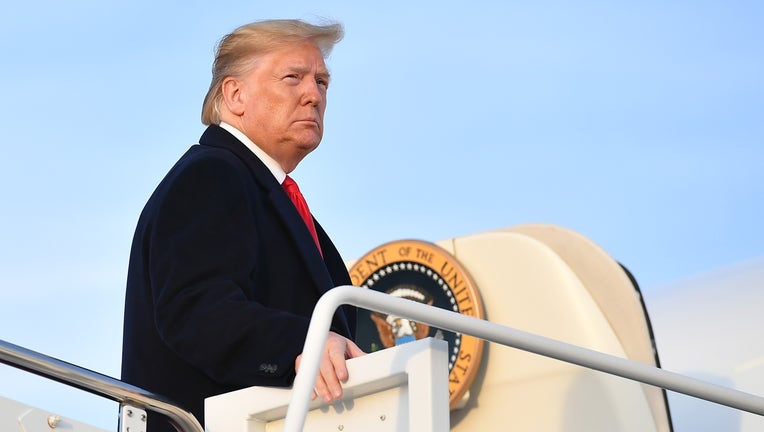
[711,327]
[132,419]
[400,389]
[555,283]
[18,417]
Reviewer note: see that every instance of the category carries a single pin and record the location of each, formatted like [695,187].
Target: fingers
[331,373]
[333,368]
[353,350]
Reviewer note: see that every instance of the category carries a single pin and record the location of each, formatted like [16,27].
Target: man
[224,272]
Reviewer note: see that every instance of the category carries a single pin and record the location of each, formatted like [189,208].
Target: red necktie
[295,195]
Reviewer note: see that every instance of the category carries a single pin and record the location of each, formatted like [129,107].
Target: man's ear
[233,95]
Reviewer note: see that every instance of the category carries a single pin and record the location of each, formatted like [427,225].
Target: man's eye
[322,82]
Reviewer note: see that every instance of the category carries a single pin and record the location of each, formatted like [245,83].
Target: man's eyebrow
[323,73]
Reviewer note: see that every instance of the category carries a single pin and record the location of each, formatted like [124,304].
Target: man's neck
[274,167]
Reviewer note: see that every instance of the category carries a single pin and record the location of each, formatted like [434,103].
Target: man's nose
[312,92]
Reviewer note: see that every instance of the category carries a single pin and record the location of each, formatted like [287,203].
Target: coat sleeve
[204,245]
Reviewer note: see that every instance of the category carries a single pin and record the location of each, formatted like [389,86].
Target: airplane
[550,281]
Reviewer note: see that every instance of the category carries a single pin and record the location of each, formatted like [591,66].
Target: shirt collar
[273,166]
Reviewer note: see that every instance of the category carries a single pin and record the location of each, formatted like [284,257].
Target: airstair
[136,404]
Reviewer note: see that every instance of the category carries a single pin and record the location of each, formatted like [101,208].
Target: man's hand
[333,370]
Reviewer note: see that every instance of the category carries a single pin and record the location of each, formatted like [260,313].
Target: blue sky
[639,126]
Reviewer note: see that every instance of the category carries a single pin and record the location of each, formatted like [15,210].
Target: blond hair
[236,52]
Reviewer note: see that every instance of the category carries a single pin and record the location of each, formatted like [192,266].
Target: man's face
[284,101]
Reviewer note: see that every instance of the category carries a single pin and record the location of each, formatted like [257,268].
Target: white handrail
[448,320]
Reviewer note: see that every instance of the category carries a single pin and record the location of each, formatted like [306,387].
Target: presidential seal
[426,273]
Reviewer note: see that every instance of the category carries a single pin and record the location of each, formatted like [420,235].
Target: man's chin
[309,144]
